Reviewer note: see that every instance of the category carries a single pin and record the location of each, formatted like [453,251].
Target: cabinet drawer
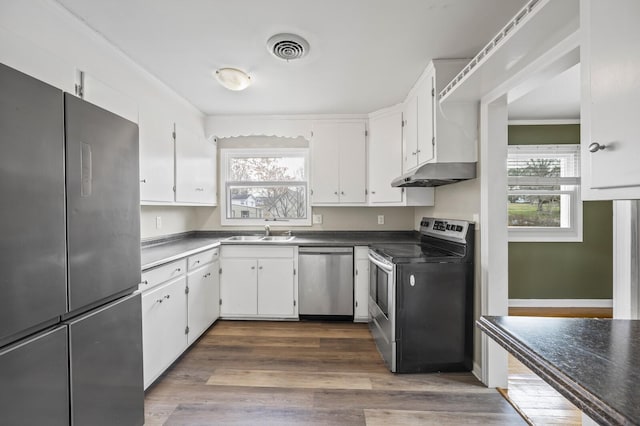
[200,259]
[253,251]
[155,276]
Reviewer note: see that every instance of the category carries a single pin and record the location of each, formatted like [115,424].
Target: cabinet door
[353,162]
[102,94]
[275,287]
[361,290]
[203,299]
[611,91]
[385,158]
[156,157]
[425,120]
[215,289]
[410,134]
[325,166]
[195,167]
[238,287]
[164,319]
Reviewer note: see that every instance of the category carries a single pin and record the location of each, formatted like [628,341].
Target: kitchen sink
[244,238]
[259,238]
[278,238]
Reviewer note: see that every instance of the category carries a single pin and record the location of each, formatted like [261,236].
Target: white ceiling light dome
[233,78]
[288,46]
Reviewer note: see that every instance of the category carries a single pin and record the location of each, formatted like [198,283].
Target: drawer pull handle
[145,282]
[197,261]
[178,269]
[168,296]
[208,274]
[253,267]
[595,147]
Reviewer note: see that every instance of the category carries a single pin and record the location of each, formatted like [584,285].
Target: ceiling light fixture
[233,78]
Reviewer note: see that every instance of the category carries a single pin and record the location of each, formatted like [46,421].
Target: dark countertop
[157,251]
[594,363]
[170,250]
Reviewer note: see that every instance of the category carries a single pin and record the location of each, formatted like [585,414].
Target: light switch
[317,219]
[158,222]
[380,219]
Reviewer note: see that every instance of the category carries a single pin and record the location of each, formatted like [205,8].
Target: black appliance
[70,320]
[421,299]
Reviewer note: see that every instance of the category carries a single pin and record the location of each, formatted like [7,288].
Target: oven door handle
[381,265]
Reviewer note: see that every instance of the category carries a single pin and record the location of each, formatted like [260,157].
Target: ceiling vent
[288,46]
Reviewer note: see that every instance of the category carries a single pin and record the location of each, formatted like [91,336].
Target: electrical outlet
[317,219]
[380,219]
[158,222]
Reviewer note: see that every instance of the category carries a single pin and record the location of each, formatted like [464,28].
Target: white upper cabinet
[385,157]
[610,60]
[434,133]
[338,163]
[386,161]
[418,135]
[195,167]
[410,133]
[177,164]
[425,95]
[156,157]
[105,96]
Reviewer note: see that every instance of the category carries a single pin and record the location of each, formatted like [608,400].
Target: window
[264,185]
[543,195]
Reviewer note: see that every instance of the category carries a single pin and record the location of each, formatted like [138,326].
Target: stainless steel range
[421,299]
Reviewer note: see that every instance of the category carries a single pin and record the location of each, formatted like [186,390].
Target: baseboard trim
[477,371]
[560,303]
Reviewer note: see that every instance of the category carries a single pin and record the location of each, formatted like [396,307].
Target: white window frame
[227,153]
[572,233]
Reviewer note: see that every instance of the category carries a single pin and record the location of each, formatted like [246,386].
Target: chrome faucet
[267,230]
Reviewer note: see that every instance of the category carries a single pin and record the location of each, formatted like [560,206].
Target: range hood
[436,174]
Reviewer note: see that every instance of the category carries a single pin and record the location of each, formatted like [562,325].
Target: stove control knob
[412,280]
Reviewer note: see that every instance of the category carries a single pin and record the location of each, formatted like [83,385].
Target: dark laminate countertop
[595,363]
[157,251]
[169,250]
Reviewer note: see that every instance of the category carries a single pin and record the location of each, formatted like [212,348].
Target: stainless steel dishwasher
[325,284]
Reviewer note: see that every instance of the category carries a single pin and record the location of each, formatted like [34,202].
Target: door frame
[493,198]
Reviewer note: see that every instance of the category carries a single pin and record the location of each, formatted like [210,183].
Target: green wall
[563,270]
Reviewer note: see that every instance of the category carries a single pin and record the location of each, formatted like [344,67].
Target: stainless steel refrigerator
[70,322]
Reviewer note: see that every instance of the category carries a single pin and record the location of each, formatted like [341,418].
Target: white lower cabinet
[238,287]
[275,287]
[203,299]
[164,313]
[258,282]
[361,284]
[178,305]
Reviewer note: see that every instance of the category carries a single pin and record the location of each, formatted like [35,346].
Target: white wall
[333,219]
[40,38]
[460,201]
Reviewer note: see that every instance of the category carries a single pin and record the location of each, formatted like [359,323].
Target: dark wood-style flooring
[310,373]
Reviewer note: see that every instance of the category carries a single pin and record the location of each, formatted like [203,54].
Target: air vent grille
[288,47]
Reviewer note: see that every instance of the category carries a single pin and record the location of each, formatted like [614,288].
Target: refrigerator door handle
[86,170]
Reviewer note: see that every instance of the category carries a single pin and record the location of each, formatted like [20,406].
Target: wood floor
[310,373]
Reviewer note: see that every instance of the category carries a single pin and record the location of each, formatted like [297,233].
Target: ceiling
[364,54]
[557,99]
